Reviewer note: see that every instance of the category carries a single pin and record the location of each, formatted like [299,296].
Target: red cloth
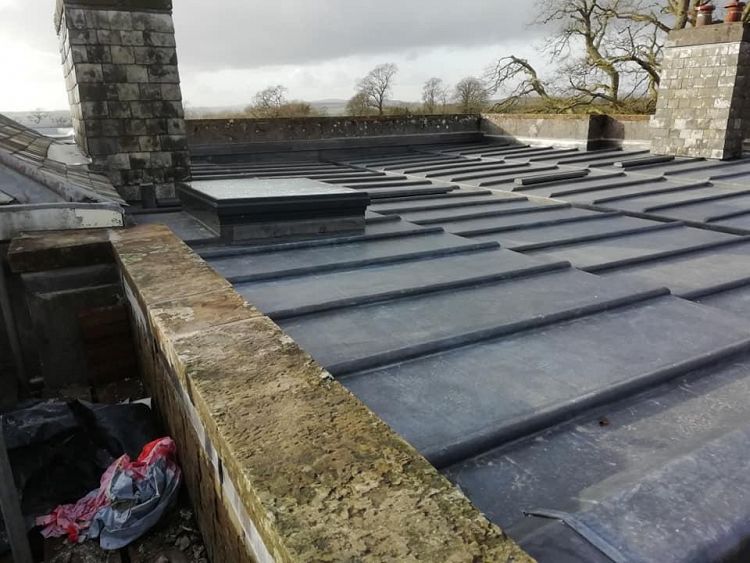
[74,519]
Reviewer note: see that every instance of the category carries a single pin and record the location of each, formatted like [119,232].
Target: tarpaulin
[132,497]
[59,449]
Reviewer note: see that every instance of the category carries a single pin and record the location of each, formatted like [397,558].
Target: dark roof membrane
[578,366]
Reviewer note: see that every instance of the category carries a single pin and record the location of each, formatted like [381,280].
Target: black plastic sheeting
[59,450]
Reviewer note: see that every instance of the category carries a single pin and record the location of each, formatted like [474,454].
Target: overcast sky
[229,49]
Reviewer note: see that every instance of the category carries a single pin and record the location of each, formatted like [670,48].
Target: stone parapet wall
[704,105]
[590,132]
[123,84]
[213,131]
[559,129]
[324,137]
[283,463]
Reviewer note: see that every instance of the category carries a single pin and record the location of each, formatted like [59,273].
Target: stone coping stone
[709,34]
[321,477]
[125,5]
[133,5]
[52,250]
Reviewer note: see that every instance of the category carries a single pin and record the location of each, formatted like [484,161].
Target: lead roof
[570,347]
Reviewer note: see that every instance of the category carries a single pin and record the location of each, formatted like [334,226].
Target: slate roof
[570,347]
[29,174]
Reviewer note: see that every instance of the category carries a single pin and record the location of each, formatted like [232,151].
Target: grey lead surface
[598,399]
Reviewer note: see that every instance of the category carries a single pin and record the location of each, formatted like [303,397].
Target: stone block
[722,103]
[163,74]
[140,160]
[142,110]
[130,143]
[134,127]
[94,110]
[145,21]
[106,128]
[113,74]
[76,18]
[99,54]
[122,55]
[156,126]
[103,146]
[174,142]
[161,160]
[78,54]
[118,161]
[176,127]
[120,20]
[150,143]
[133,38]
[150,92]
[108,37]
[157,39]
[93,91]
[171,92]
[128,193]
[128,92]
[136,73]
[170,109]
[111,92]
[119,110]
[89,73]
[132,176]
[155,56]
[82,37]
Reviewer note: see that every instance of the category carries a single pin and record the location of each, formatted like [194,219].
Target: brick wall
[703,108]
[120,64]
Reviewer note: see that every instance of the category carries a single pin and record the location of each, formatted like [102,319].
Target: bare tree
[38,115]
[609,51]
[269,101]
[527,82]
[63,121]
[471,95]
[376,87]
[358,105]
[434,95]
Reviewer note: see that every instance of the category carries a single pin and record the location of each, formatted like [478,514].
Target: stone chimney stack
[120,65]
[704,97]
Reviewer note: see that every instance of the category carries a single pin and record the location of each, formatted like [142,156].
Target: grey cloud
[242,34]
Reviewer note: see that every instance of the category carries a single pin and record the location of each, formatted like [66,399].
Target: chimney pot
[734,11]
[705,15]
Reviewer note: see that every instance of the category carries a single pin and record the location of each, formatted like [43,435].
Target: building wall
[703,108]
[559,129]
[583,131]
[120,65]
